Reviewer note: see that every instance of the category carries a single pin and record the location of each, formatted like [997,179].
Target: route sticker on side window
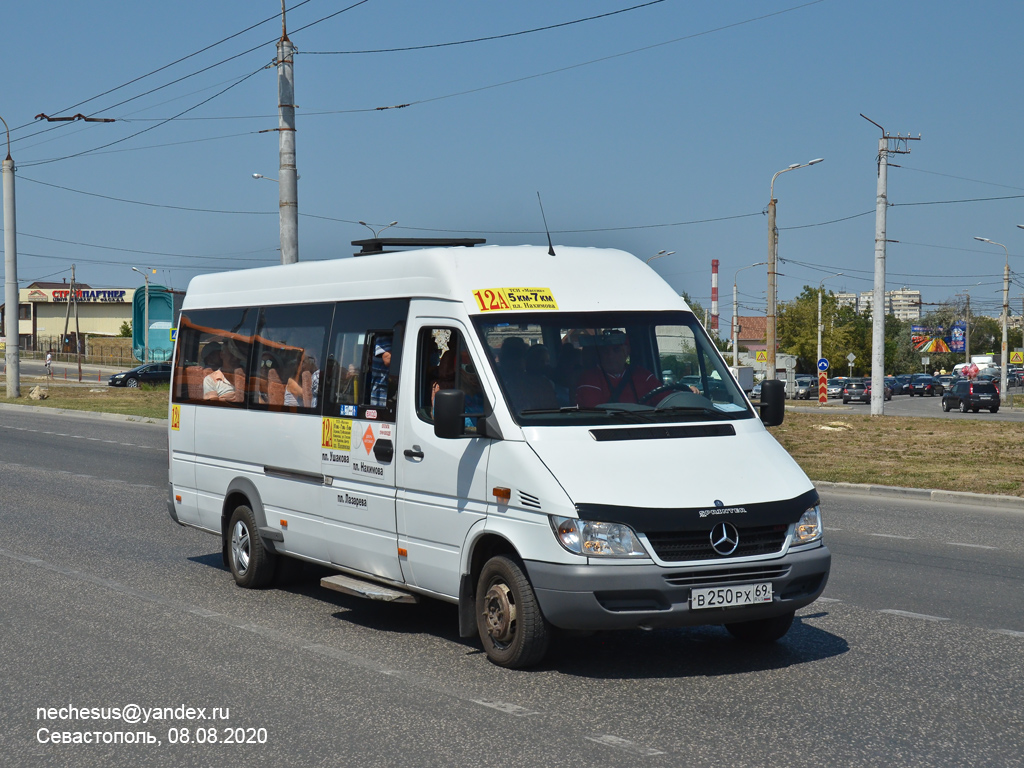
[501,299]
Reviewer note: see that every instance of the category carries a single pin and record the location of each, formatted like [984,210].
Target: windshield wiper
[700,409]
[632,414]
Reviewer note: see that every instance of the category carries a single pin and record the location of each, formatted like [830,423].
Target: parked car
[947,380]
[922,385]
[149,373]
[967,395]
[835,387]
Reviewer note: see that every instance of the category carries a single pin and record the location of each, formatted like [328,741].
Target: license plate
[729,597]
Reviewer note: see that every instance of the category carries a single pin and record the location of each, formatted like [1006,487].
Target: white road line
[972,546]
[623,744]
[828,600]
[503,706]
[910,615]
[892,536]
[1008,632]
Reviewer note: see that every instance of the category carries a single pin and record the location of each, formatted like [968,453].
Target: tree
[126,330]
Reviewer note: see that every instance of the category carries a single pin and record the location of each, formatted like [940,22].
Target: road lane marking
[972,546]
[911,615]
[503,706]
[892,536]
[1009,632]
[629,746]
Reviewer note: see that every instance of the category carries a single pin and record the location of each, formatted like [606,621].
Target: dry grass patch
[147,402]
[949,454]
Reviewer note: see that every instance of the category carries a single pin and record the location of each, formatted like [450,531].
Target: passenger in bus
[380,371]
[219,383]
[614,379]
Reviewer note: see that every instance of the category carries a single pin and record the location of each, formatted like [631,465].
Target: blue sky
[639,130]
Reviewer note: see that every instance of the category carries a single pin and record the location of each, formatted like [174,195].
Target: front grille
[684,546]
[715,576]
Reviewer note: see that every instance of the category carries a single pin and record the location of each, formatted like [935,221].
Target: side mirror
[773,402]
[449,413]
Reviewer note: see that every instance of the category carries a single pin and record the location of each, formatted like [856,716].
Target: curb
[124,417]
[925,494]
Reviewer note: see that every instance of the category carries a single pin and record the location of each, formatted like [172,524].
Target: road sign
[851,357]
[822,387]
[1017,358]
[823,364]
[761,356]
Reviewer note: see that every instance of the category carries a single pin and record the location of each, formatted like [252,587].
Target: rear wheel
[963,406]
[762,631]
[250,563]
[511,626]
[995,409]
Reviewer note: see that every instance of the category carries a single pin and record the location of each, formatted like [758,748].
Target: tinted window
[287,355]
[212,356]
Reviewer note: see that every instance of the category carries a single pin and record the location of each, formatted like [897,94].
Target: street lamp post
[735,310]
[376,232]
[145,354]
[658,255]
[821,287]
[1006,312]
[773,253]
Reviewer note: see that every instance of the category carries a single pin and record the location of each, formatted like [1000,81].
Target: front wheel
[511,626]
[251,564]
[945,405]
[132,382]
[761,631]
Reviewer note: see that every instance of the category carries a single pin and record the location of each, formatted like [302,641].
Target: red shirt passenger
[612,380]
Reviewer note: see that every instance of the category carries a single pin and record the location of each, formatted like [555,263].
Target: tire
[995,410]
[762,631]
[511,626]
[963,406]
[132,382]
[945,405]
[252,566]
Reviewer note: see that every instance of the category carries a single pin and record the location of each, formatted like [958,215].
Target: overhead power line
[482,39]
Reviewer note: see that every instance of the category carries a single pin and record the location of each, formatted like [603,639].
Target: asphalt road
[914,657]
[905,405]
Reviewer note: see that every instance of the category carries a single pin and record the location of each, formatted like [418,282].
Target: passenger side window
[364,359]
[212,356]
[288,353]
[444,362]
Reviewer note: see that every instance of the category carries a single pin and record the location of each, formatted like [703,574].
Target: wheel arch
[479,549]
[241,490]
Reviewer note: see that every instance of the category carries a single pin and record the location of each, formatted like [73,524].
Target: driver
[614,379]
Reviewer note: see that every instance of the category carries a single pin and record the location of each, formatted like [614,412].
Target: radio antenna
[551,248]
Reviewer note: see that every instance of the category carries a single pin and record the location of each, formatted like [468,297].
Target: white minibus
[493,427]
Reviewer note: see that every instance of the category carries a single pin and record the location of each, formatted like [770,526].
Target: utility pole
[78,336]
[895,145]
[287,175]
[13,312]
[773,256]
[967,330]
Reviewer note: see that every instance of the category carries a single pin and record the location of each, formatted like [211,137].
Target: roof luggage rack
[375,245]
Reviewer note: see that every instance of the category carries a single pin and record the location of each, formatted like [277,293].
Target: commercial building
[43,309]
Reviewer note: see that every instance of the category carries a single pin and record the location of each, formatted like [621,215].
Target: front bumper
[626,596]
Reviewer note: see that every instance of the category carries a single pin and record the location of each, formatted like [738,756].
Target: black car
[971,396]
[149,373]
[902,386]
[860,390]
[925,385]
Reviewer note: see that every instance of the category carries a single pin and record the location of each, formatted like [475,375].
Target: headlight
[596,539]
[808,528]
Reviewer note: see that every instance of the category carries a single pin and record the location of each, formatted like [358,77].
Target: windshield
[558,368]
